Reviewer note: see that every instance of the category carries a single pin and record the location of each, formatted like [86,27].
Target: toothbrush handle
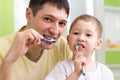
[47,40]
[84,73]
[83,70]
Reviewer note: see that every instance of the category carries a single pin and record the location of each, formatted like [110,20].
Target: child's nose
[81,38]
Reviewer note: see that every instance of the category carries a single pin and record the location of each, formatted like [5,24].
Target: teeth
[47,37]
[80,46]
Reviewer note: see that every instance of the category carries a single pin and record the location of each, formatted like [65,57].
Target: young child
[85,35]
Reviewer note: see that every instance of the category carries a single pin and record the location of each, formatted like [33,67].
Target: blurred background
[12,18]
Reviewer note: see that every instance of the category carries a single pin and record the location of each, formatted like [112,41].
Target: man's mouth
[48,39]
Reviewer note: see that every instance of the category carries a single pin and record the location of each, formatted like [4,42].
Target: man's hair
[86,17]
[36,5]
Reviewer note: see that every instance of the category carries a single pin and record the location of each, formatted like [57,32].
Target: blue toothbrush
[48,40]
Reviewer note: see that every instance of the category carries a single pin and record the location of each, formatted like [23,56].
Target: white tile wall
[112,31]
[112,24]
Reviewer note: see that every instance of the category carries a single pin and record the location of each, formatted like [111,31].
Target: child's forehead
[81,21]
[84,24]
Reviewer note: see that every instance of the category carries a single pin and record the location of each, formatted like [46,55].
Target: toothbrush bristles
[76,47]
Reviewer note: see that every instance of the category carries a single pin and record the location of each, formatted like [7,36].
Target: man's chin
[44,46]
[48,47]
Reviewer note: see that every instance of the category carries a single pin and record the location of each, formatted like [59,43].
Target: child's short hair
[86,17]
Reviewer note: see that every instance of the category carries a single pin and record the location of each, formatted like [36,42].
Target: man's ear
[28,14]
[99,44]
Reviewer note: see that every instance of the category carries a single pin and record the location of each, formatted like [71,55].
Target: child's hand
[79,62]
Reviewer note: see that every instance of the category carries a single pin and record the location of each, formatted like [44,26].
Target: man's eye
[76,33]
[62,24]
[47,19]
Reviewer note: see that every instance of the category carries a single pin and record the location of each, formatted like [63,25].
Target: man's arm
[5,70]
[22,42]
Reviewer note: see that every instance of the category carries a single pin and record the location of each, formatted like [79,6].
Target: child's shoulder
[66,62]
[66,65]
[104,67]
[106,71]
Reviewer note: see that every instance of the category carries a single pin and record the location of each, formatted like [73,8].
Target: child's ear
[99,44]
[67,39]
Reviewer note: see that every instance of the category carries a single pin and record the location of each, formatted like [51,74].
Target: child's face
[85,34]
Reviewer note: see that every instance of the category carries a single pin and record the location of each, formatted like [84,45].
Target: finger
[37,36]
[84,61]
[30,38]
[77,56]
[34,37]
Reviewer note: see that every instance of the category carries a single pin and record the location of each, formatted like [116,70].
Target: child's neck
[91,66]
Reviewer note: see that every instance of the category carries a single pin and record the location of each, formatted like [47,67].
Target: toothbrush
[83,68]
[48,40]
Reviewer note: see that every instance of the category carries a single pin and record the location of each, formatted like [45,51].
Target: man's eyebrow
[48,15]
[64,20]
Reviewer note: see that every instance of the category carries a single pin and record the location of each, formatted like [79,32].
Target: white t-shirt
[64,68]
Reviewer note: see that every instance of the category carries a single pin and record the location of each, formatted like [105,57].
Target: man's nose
[54,29]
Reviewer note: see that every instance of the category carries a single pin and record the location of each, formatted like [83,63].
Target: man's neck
[34,54]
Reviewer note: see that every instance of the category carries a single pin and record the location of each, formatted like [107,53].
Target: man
[23,56]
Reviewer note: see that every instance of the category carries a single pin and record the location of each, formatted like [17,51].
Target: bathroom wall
[20,13]
[6,17]
[115,3]
[112,27]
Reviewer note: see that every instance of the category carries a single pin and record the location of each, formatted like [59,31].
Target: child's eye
[88,35]
[46,19]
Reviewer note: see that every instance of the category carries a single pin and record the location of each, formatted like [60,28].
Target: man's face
[49,22]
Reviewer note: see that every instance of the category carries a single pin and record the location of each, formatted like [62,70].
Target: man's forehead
[53,12]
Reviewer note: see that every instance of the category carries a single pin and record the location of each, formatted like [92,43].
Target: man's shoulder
[62,41]
[7,38]
[5,43]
